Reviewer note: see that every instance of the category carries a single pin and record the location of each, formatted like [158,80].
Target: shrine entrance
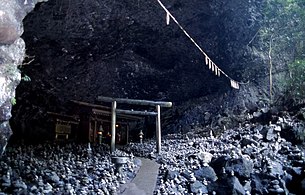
[95,123]
[103,124]
[115,112]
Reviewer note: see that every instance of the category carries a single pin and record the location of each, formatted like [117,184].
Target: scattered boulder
[248,141]
[205,157]
[219,163]
[242,167]
[229,185]
[172,175]
[275,168]
[259,183]
[268,134]
[205,172]
[197,187]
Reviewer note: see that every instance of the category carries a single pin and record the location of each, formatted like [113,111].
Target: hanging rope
[212,66]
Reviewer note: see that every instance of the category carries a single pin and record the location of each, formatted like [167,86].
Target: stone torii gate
[114,111]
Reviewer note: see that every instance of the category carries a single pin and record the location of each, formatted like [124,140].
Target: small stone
[198,188]
[19,184]
[275,182]
[6,184]
[192,178]
[33,188]
[280,190]
[171,174]
[277,190]
[54,177]
[205,157]
[47,189]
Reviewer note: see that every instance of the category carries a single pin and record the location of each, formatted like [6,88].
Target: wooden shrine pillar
[113,123]
[158,129]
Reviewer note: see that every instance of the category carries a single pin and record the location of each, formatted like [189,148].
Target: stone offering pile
[68,169]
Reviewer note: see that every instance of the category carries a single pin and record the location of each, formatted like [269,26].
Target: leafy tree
[283,32]
[285,21]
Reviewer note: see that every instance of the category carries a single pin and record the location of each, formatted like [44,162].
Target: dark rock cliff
[79,50]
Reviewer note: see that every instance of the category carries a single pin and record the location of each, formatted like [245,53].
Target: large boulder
[259,183]
[242,167]
[227,185]
[205,172]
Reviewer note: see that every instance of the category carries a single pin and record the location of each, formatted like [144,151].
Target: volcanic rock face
[12,51]
[125,49]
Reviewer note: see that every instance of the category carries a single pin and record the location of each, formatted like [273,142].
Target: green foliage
[282,37]
[296,84]
[13,101]
[26,78]
[299,132]
[284,20]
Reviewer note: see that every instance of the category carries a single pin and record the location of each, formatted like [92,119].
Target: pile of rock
[254,159]
[68,169]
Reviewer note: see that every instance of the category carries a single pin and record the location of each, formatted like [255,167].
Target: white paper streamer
[234,84]
[167,18]
[206,60]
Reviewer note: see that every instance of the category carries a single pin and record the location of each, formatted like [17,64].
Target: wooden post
[90,130]
[113,123]
[158,129]
[95,131]
[127,133]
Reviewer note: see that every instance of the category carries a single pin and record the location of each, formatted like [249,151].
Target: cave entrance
[115,111]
